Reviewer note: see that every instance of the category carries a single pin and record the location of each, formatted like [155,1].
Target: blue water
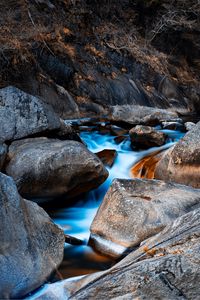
[76,220]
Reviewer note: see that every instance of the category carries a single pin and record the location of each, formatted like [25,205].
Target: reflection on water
[76,220]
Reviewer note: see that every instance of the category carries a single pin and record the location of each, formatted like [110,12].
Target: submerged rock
[46,168]
[182,162]
[3,152]
[165,266]
[22,115]
[31,245]
[107,156]
[134,210]
[146,137]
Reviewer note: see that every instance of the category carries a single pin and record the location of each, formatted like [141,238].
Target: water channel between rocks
[76,220]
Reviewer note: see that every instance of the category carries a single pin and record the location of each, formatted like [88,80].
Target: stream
[76,220]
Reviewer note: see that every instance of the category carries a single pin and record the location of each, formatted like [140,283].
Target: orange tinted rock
[145,168]
[134,210]
[107,156]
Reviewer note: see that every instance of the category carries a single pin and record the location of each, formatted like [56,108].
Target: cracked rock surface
[22,114]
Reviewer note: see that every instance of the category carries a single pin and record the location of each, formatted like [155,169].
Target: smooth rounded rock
[47,168]
[146,137]
[134,210]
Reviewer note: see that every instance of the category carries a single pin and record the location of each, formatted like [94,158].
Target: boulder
[107,156]
[3,152]
[165,266]
[189,125]
[134,210]
[22,115]
[31,245]
[175,125]
[47,168]
[144,137]
[182,162]
[144,115]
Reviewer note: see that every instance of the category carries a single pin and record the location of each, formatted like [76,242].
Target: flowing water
[76,220]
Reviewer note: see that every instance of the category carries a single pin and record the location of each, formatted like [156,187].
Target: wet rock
[22,114]
[173,125]
[189,125]
[3,152]
[31,245]
[135,114]
[134,210]
[118,131]
[144,137]
[43,168]
[165,266]
[119,139]
[145,168]
[107,156]
[182,162]
[73,240]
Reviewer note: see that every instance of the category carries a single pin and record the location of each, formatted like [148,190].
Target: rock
[182,162]
[135,114]
[31,245]
[134,210]
[173,125]
[118,131]
[65,132]
[43,168]
[73,240]
[22,115]
[3,152]
[119,139]
[189,125]
[145,168]
[165,266]
[107,156]
[144,137]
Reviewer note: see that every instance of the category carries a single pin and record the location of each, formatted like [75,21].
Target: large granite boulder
[144,115]
[182,162]
[3,152]
[31,245]
[22,115]
[145,137]
[46,168]
[166,266]
[134,210]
